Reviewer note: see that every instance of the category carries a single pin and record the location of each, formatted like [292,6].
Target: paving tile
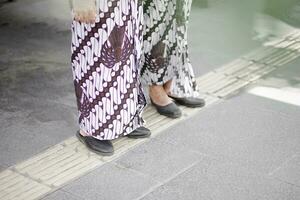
[111,182]
[33,116]
[25,138]
[241,130]
[223,180]
[61,195]
[289,172]
[288,73]
[159,160]
[268,106]
[2,168]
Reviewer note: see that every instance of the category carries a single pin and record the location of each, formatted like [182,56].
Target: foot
[163,104]
[158,95]
[171,110]
[102,147]
[141,132]
[167,86]
[191,102]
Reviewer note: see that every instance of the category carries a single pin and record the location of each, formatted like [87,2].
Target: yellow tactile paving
[14,186]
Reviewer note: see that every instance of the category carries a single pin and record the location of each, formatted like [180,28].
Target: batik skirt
[105,60]
[165,46]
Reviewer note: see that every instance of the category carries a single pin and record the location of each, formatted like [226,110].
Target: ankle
[159,96]
[167,87]
[83,133]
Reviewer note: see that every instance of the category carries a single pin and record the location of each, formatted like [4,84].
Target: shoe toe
[104,146]
[196,101]
[141,132]
[172,110]
[191,102]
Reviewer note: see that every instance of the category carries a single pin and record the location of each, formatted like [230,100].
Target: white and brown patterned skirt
[166,55]
[105,63]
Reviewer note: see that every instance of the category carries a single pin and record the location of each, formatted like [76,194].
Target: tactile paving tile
[231,89]
[14,186]
[256,74]
[60,163]
[234,66]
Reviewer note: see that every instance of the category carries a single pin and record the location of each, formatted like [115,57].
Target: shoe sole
[138,137]
[79,137]
[165,114]
[178,102]
[169,115]
[191,105]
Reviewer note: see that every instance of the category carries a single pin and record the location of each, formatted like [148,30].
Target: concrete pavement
[246,147]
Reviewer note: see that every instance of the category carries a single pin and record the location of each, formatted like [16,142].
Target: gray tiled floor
[257,138]
[234,150]
[32,114]
[2,168]
[289,172]
[111,182]
[222,180]
[61,195]
[159,160]
[37,103]
[28,140]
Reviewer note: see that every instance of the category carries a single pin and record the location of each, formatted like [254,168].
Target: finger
[90,16]
[94,15]
[87,17]
[83,17]
[76,15]
[80,18]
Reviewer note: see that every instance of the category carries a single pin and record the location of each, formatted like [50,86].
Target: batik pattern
[105,60]
[165,46]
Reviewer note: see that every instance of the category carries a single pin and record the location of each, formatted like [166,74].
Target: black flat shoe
[141,132]
[171,110]
[191,102]
[102,147]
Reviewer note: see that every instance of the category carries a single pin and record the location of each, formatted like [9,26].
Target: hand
[84,10]
[88,16]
